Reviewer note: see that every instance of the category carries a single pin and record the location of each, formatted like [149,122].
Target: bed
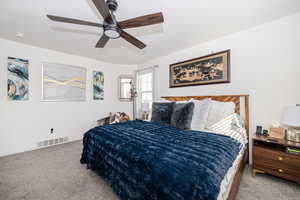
[142,160]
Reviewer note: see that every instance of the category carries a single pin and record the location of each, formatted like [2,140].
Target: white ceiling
[187,22]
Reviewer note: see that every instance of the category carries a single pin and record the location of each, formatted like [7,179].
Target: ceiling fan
[112,28]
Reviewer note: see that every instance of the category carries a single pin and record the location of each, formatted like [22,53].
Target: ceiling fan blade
[146,20]
[132,40]
[73,21]
[103,9]
[102,42]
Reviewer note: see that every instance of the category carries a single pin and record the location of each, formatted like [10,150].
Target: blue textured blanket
[148,161]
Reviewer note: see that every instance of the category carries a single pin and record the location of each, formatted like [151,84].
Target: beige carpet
[56,174]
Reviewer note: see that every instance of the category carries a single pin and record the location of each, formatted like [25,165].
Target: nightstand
[270,157]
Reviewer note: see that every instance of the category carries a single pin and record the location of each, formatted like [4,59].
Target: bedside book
[293,150]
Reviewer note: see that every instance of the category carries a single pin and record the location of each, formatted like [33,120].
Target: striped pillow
[232,127]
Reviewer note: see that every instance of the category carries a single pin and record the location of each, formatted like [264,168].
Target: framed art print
[63,82]
[98,85]
[18,79]
[210,69]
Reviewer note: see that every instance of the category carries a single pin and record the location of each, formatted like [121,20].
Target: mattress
[143,160]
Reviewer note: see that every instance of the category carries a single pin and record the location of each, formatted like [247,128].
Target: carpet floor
[55,174]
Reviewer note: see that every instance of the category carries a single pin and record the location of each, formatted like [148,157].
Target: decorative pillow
[119,117]
[182,101]
[201,110]
[182,115]
[164,101]
[232,127]
[157,101]
[218,111]
[162,112]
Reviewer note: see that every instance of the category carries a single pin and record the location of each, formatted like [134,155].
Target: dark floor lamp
[133,94]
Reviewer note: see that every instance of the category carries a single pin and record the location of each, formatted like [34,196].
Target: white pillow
[218,111]
[181,101]
[232,127]
[200,115]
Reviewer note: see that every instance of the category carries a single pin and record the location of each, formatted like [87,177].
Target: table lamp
[291,119]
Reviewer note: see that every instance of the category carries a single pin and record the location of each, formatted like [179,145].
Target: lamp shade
[291,116]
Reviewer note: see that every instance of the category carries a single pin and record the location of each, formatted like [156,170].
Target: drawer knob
[280,158]
[280,170]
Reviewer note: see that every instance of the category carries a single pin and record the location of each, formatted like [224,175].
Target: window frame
[140,92]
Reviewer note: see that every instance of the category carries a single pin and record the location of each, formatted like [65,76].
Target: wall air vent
[52,142]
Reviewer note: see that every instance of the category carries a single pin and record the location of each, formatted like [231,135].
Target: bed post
[247,122]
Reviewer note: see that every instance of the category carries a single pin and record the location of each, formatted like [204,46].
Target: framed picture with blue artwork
[209,69]
[17,79]
[98,85]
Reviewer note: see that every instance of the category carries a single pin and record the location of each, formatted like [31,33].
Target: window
[125,82]
[145,92]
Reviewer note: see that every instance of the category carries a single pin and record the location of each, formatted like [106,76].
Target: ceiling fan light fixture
[112,34]
[112,31]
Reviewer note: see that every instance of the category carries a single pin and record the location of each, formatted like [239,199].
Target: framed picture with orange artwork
[210,69]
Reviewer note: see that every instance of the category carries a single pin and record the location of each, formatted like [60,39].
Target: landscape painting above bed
[210,69]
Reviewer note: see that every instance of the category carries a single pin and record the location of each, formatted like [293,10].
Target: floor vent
[52,142]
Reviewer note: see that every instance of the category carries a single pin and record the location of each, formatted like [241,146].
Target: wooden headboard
[236,99]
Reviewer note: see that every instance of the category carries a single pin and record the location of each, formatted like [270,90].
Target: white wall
[24,123]
[264,62]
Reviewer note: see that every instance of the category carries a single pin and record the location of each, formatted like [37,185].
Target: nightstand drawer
[277,163]
[276,157]
[277,171]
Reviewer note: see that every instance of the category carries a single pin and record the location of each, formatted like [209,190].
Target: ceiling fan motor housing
[112,5]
